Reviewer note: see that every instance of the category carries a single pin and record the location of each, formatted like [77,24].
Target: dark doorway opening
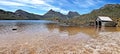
[98,24]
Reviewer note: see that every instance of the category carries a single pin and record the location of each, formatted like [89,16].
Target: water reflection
[43,28]
[72,30]
[42,37]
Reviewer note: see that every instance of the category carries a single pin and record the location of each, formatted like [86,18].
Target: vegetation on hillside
[110,10]
[6,15]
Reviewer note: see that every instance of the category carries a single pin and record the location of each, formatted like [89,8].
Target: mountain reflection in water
[32,27]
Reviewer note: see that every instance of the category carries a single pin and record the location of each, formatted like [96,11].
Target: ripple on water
[51,38]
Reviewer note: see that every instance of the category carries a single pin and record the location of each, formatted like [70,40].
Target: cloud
[37,4]
[9,3]
[62,6]
[87,3]
[34,2]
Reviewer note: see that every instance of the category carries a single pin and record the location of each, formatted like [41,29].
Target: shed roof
[103,18]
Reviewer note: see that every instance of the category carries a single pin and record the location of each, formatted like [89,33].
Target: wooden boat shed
[102,20]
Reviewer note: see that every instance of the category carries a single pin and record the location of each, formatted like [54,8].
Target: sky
[63,6]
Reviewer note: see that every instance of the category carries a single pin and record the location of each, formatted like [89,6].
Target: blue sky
[63,6]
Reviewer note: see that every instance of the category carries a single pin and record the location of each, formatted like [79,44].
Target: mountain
[27,15]
[110,10]
[72,14]
[6,15]
[53,14]
[23,15]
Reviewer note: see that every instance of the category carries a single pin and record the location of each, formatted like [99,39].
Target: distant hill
[6,15]
[23,15]
[26,15]
[110,10]
[51,14]
[72,14]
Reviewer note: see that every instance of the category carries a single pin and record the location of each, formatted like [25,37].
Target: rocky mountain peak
[19,11]
[51,12]
[73,14]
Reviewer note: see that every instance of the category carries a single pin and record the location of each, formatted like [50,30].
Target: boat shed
[102,20]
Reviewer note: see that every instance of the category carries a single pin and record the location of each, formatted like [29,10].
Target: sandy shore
[106,43]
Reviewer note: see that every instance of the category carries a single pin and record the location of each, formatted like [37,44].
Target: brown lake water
[47,37]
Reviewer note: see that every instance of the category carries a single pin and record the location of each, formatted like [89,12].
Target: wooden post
[117,22]
[99,24]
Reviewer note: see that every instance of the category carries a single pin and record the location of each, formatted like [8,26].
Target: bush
[111,24]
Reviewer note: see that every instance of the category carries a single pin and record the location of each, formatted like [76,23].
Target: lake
[48,37]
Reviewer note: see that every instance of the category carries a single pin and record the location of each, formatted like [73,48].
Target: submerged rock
[14,29]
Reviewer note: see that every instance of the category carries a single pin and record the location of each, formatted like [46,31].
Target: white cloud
[9,3]
[91,2]
[37,4]
[87,3]
[45,5]
[34,2]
